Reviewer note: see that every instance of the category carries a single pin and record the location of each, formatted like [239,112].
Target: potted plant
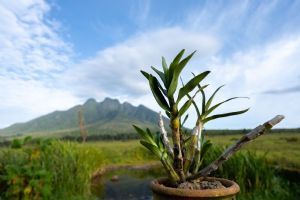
[182,158]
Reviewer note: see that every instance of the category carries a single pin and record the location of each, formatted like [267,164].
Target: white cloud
[26,99]
[31,51]
[250,73]
[29,43]
[115,70]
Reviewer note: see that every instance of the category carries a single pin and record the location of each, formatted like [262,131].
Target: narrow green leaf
[177,59]
[145,74]
[185,107]
[149,133]
[166,69]
[164,64]
[173,65]
[184,120]
[191,85]
[143,134]
[175,73]
[195,105]
[158,141]
[197,109]
[160,74]
[203,100]
[212,96]
[154,149]
[154,84]
[224,115]
[217,105]
[168,114]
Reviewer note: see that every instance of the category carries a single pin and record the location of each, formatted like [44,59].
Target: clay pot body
[162,192]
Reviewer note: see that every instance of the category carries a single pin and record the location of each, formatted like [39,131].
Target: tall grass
[58,170]
[256,178]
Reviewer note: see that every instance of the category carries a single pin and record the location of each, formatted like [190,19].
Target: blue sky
[56,54]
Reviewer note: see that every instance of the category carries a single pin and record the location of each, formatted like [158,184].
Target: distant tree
[83,131]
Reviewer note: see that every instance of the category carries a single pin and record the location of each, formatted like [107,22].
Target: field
[46,170]
[281,149]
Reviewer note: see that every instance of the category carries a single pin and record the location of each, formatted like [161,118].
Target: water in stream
[131,184]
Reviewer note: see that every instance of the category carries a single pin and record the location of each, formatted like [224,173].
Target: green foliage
[47,170]
[22,174]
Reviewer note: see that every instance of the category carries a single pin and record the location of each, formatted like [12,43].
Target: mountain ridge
[106,117]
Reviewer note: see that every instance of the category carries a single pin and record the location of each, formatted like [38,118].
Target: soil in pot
[201,185]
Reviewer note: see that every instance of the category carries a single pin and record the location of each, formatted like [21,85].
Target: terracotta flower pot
[162,192]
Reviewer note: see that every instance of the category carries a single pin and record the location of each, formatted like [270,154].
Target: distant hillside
[106,117]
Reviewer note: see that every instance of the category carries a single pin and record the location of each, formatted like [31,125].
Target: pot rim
[232,188]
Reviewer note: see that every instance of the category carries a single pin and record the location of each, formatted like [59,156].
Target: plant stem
[173,176]
[192,147]
[258,131]
[175,126]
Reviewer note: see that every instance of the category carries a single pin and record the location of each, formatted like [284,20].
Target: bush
[47,170]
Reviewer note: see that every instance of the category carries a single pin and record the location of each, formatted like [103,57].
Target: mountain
[100,118]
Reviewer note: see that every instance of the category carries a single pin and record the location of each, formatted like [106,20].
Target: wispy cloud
[284,90]
[251,72]
[115,70]
[31,54]
[140,11]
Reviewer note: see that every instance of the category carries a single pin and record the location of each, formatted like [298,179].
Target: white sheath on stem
[164,134]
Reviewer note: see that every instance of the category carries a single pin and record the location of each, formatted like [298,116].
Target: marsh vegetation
[51,169]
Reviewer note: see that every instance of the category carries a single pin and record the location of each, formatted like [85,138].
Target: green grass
[120,152]
[282,149]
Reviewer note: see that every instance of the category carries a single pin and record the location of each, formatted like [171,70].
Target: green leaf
[160,74]
[184,120]
[203,97]
[191,85]
[185,107]
[158,141]
[143,134]
[217,105]
[203,100]
[194,103]
[160,99]
[175,74]
[149,133]
[176,60]
[168,114]
[197,109]
[153,148]
[164,64]
[212,96]
[166,69]
[224,115]
[145,74]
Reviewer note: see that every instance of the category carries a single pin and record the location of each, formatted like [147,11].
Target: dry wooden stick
[163,132]
[260,130]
